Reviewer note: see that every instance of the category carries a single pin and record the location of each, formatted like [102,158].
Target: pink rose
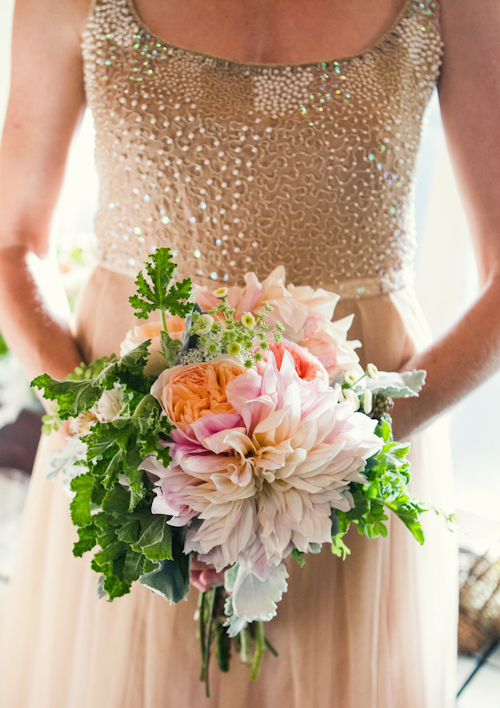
[307,366]
[328,342]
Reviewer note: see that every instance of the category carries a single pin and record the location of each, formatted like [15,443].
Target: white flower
[367,401]
[349,378]
[372,371]
[351,397]
[109,406]
[204,324]
[82,424]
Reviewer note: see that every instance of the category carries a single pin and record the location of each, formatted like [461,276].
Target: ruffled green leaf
[80,505]
[156,294]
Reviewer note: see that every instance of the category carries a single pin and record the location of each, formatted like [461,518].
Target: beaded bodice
[242,167]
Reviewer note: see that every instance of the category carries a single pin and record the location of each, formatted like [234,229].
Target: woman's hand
[469,94]
[46,100]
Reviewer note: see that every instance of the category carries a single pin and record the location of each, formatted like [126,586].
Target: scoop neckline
[386,36]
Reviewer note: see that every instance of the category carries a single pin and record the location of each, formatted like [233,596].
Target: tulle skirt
[377,630]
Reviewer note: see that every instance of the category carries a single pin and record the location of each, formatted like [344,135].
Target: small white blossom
[349,378]
[367,401]
[351,397]
[372,371]
[204,324]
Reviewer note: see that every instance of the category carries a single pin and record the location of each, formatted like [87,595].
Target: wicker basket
[479,619]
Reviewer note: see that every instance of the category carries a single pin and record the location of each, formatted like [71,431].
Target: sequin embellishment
[243,166]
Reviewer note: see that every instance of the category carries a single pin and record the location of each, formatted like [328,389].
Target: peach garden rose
[187,393]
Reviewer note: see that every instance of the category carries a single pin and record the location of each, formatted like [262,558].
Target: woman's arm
[46,100]
[469,92]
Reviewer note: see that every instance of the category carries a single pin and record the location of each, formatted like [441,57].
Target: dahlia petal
[209,425]
[243,388]
[253,411]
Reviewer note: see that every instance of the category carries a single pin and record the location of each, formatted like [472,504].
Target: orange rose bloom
[195,390]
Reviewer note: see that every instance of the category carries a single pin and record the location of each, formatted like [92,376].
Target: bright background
[446,285]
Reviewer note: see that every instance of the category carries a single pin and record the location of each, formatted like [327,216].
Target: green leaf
[150,444]
[91,370]
[170,347]
[112,584]
[73,397]
[116,501]
[339,548]
[134,563]
[104,437]
[129,532]
[170,579]
[156,539]
[156,294]
[387,475]
[110,552]
[177,293]
[80,505]
[77,396]
[299,557]
[86,540]
[113,469]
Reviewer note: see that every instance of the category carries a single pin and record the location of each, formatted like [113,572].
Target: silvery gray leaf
[230,577]
[254,599]
[234,623]
[170,579]
[314,548]
[101,592]
[65,460]
[395,385]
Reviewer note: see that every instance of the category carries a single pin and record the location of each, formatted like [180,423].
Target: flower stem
[270,647]
[244,639]
[163,321]
[260,647]
[201,631]
[211,602]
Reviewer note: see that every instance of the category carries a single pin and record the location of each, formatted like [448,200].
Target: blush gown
[243,167]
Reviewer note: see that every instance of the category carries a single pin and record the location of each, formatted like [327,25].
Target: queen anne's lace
[242,167]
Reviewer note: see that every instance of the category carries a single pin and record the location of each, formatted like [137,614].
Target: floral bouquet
[238,431]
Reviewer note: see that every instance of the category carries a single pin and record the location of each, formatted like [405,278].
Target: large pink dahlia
[253,484]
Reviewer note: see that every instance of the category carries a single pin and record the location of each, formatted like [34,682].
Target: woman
[248,148]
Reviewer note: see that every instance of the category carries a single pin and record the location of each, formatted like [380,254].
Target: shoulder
[470,26]
[68,17]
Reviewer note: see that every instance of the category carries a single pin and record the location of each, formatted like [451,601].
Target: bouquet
[237,431]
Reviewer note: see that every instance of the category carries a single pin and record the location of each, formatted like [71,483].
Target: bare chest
[271,31]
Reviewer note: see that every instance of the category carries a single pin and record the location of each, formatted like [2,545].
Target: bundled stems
[251,641]
[206,606]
